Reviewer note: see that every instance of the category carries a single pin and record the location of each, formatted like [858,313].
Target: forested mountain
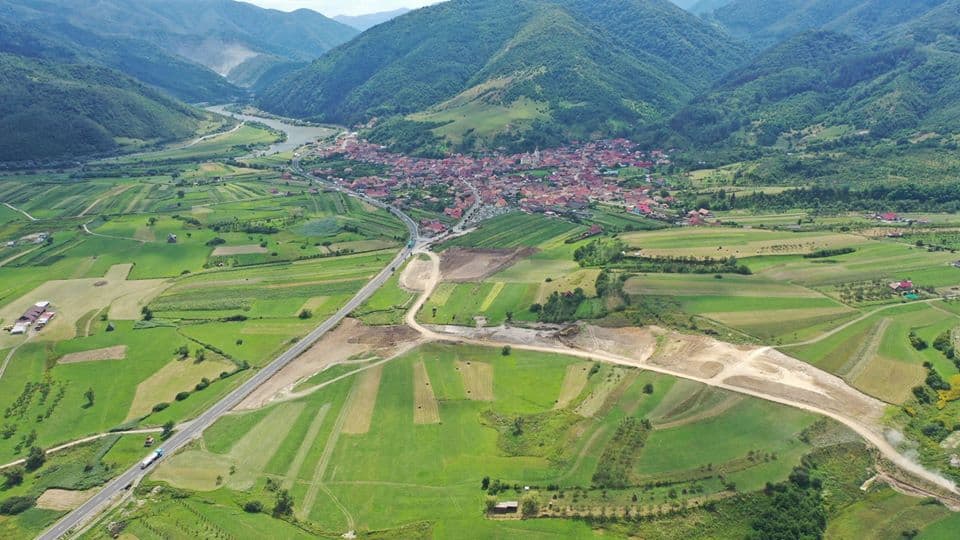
[51,111]
[576,66]
[824,86]
[766,22]
[198,50]
[365,22]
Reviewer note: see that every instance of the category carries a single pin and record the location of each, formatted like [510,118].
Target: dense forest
[52,111]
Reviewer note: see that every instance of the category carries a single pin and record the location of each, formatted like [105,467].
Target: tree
[253,507]
[529,507]
[201,355]
[506,350]
[36,458]
[648,388]
[180,193]
[485,483]
[147,313]
[306,314]
[284,506]
[89,396]
[167,430]
[13,477]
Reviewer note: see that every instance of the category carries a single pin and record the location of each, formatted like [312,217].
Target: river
[297,136]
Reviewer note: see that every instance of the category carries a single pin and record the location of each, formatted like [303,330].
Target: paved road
[117,486]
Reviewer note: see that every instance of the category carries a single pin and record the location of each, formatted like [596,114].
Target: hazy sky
[342,7]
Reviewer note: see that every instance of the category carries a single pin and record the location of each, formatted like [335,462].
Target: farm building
[171,238]
[19,329]
[904,286]
[508,507]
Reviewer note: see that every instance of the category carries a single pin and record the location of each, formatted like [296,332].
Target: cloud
[331,8]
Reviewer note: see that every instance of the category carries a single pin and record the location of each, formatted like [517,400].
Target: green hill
[766,22]
[51,111]
[822,86]
[198,50]
[484,73]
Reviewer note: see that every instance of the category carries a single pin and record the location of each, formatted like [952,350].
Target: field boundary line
[19,255]
[24,212]
[321,468]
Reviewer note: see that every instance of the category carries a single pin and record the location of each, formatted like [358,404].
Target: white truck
[149,460]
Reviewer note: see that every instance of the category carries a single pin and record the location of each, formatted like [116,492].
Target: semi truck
[149,460]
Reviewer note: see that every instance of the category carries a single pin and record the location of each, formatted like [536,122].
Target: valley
[538,269]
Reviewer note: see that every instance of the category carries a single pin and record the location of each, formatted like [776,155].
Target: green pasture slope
[405,479]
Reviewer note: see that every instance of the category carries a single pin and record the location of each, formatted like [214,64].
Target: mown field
[417,436]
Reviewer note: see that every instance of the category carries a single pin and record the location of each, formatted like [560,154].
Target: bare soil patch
[574,381]
[477,379]
[226,251]
[63,500]
[416,275]
[337,346]
[425,408]
[363,399]
[118,352]
[458,264]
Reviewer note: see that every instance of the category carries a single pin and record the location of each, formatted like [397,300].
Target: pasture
[723,242]
[440,418]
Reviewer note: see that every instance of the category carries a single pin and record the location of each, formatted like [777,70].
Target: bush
[160,406]
[305,314]
[16,505]
[35,459]
[253,507]
[182,396]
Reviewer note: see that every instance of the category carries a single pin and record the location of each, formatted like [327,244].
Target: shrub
[253,507]
[16,505]
[182,396]
[160,406]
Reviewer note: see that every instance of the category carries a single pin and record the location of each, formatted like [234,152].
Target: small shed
[508,507]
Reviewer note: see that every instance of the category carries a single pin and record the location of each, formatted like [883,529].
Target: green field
[516,230]
[428,475]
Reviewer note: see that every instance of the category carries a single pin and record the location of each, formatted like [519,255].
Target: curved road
[105,498]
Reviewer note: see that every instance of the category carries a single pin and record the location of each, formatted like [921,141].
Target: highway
[106,497]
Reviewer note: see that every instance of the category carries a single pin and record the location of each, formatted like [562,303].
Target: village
[557,181]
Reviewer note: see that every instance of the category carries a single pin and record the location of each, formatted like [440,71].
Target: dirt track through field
[763,373]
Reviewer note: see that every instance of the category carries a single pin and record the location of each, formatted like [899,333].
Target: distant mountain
[364,22]
[183,46]
[766,22]
[481,73]
[51,111]
[701,7]
[824,87]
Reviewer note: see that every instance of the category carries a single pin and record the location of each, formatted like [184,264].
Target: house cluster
[559,180]
[894,218]
[38,316]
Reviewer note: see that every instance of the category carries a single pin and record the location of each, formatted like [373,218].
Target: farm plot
[489,303]
[729,242]
[72,299]
[516,230]
[422,470]
[177,376]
